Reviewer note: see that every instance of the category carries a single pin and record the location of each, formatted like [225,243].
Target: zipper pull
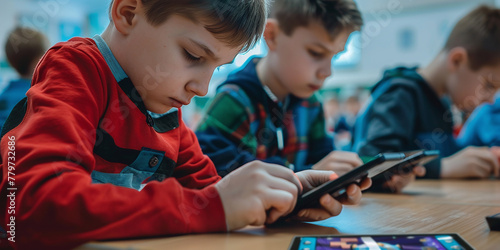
[279,137]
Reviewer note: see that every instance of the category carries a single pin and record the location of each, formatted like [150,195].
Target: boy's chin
[464,109]
[305,95]
[159,110]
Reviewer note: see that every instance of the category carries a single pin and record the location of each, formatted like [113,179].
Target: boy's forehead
[196,34]
[223,48]
[317,34]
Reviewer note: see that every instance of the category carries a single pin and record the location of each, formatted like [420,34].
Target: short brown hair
[335,15]
[25,45]
[235,22]
[479,33]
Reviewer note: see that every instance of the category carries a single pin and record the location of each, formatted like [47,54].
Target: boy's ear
[456,58]
[271,31]
[124,14]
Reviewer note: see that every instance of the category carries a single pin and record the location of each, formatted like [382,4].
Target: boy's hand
[258,193]
[471,162]
[496,151]
[398,182]
[339,161]
[329,205]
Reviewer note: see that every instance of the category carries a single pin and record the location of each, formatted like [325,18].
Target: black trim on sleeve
[16,116]
[106,148]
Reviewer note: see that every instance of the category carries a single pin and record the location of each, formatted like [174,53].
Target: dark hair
[335,15]
[25,45]
[479,33]
[235,22]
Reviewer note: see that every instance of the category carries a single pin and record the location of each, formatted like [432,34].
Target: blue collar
[113,64]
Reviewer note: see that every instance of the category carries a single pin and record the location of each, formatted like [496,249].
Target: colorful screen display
[400,242]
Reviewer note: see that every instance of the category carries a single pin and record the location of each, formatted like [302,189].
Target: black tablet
[375,166]
[390,163]
[413,159]
[382,241]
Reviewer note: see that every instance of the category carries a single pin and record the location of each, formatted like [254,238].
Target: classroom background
[396,32]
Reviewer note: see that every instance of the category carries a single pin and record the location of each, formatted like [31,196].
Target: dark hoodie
[404,113]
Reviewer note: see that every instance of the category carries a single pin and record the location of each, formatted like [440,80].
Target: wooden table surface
[426,206]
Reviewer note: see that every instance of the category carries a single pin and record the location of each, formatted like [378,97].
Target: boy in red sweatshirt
[97,150]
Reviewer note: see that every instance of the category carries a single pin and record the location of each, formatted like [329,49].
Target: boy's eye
[489,85]
[190,57]
[315,54]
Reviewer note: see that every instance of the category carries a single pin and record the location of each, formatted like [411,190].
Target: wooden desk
[425,207]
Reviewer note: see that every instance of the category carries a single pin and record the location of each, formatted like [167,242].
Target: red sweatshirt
[82,131]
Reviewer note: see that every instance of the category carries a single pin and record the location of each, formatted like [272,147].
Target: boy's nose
[199,88]
[324,72]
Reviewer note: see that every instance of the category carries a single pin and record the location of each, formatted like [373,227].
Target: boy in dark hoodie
[268,111]
[409,108]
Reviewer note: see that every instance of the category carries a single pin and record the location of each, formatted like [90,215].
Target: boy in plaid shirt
[268,111]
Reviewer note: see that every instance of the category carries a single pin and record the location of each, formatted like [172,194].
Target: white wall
[6,17]
[381,38]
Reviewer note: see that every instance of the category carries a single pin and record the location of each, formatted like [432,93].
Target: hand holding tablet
[394,162]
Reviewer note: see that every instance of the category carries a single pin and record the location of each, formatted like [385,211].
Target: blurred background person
[24,48]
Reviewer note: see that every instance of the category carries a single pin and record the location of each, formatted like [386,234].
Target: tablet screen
[382,242]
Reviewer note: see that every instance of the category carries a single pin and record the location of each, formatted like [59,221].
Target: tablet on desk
[395,163]
[413,159]
[381,242]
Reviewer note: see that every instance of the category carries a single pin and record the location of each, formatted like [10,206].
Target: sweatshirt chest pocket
[149,165]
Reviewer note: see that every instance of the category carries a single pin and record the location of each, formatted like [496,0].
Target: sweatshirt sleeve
[389,123]
[194,169]
[56,205]
[224,133]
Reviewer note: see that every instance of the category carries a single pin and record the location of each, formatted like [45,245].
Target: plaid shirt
[243,124]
